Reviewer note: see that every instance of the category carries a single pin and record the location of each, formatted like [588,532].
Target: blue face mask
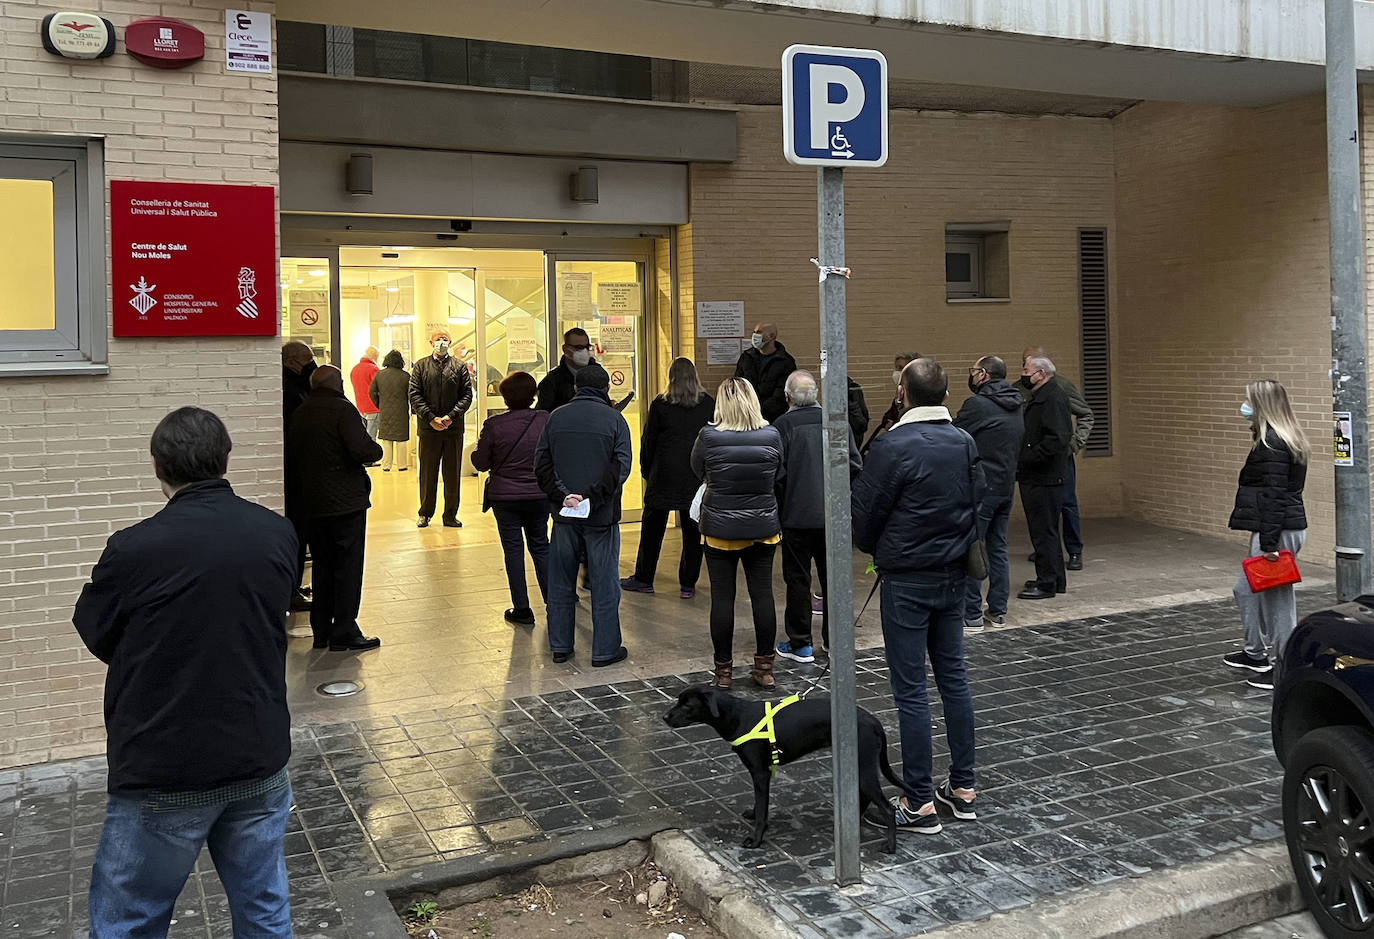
[1246,411]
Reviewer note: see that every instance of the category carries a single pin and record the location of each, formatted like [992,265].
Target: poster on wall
[618,338]
[619,298]
[520,342]
[308,308]
[718,319]
[724,351]
[1344,443]
[574,296]
[193,259]
[247,42]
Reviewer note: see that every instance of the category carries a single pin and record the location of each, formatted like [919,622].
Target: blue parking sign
[834,106]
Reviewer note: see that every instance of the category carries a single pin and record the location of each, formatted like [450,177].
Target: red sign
[193,259]
[163,42]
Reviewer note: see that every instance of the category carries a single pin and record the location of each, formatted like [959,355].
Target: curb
[1228,892]
[721,899]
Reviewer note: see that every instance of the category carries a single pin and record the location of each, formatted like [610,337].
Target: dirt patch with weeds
[636,903]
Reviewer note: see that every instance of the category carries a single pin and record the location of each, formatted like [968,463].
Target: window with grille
[1094,338]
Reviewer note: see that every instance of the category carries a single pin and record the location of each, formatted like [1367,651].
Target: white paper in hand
[583,510]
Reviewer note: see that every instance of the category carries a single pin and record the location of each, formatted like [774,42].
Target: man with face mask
[440,394]
[766,367]
[992,417]
[1040,471]
[558,387]
[1083,428]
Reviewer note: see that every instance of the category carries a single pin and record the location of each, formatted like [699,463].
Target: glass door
[607,299]
[306,304]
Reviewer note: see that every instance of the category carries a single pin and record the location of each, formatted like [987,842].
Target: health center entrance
[506,311]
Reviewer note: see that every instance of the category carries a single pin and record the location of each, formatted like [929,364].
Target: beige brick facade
[74,463]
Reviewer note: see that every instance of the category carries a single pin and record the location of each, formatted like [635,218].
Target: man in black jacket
[766,367]
[992,417]
[329,449]
[582,462]
[559,386]
[1040,471]
[801,507]
[440,395]
[297,362]
[915,510]
[188,610]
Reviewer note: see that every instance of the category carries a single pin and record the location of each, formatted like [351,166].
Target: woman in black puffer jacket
[1269,506]
[738,456]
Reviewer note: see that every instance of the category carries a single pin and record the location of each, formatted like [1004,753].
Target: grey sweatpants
[1269,617]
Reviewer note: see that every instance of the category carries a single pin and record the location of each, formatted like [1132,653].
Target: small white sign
[619,298]
[723,351]
[574,296]
[248,41]
[618,338]
[717,319]
[521,347]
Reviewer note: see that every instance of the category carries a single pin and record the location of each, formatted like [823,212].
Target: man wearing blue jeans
[188,610]
[914,510]
[581,462]
[992,417]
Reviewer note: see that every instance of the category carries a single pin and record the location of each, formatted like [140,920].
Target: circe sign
[310,316]
[617,378]
[78,35]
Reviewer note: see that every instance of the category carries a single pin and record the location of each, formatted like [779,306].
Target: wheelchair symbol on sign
[617,378]
[839,144]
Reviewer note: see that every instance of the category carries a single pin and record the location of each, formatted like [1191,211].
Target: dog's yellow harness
[763,730]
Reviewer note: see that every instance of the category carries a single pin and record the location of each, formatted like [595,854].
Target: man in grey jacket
[1082,429]
[582,461]
[992,417]
[801,505]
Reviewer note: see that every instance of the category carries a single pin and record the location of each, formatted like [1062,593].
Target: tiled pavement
[1107,747]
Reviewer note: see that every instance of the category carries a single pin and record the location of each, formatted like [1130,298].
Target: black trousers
[302,540]
[1043,506]
[757,560]
[336,544]
[436,451]
[801,546]
[653,525]
[523,523]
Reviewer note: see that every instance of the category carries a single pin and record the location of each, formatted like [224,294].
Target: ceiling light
[393,290]
[318,273]
[398,320]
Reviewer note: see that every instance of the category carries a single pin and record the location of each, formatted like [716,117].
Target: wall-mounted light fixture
[583,186]
[359,175]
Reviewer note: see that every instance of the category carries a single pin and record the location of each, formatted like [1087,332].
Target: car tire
[1328,822]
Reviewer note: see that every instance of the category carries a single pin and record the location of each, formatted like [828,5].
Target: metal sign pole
[1348,349]
[839,539]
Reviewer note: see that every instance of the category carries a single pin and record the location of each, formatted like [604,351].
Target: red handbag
[1264,574]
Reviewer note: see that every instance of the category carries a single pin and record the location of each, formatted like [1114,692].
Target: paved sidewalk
[1108,746]
[1297,926]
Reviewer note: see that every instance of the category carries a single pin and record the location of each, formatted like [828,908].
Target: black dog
[800,728]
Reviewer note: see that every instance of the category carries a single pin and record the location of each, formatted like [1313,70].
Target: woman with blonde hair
[1269,506]
[665,450]
[739,456]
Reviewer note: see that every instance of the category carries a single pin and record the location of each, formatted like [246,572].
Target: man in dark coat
[801,508]
[1083,420]
[329,449]
[558,387]
[992,417]
[440,395]
[297,362]
[582,462]
[1040,471]
[188,610]
[766,367]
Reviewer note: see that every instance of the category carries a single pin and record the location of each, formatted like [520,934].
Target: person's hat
[438,333]
[592,376]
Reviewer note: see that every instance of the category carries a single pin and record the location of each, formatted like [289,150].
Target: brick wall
[754,229]
[1222,278]
[74,463]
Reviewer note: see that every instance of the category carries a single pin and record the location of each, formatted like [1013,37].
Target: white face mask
[896,376]
[757,340]
[580,358]
[441,348]
[1246,411]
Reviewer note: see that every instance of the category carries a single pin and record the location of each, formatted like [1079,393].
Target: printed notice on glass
[717,319]
[619,298]
[618,338]
[520,344]
[248,41]
[1344,443]
[575,296]
[722,351]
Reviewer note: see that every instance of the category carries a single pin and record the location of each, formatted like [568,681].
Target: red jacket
[361,376]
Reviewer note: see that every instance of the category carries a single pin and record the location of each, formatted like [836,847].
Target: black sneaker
[520,616]
[909,819]
[560,657]
[1263,680]
[961,807]
[620,655]
[1243,659]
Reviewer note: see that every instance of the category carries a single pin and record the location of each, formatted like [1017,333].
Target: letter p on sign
[834,106]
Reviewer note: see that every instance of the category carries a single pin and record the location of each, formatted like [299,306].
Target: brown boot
[724,674]
[762,672]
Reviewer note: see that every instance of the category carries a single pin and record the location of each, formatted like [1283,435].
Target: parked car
[1323,727]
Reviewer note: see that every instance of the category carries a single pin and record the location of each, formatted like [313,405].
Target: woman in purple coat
[506,448]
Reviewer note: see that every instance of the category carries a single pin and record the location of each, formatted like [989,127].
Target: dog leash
[825,671]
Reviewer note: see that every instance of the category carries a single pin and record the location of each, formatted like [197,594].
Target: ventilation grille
[1094,337]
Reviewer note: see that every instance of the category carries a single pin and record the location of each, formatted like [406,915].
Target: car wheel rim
[1336,837]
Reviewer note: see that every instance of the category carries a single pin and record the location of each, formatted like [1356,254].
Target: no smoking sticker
[617,378]
[309,316]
